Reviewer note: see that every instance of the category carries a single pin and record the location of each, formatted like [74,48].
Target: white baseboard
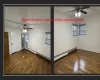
[90,50]
[15,51]
[63,54]
[38,53]
[32,50]
[56,58]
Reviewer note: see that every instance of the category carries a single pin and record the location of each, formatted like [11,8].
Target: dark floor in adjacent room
[79,62]
[26,62]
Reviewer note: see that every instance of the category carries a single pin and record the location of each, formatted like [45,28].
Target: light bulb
[79,14]
[24,30]
[76,14]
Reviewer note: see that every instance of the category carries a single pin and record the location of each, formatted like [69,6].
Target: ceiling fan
[79,9]
[25,28]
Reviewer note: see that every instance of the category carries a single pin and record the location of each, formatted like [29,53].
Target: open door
[6,44]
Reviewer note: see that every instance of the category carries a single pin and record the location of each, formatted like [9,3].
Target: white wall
[14,38]
[37,40]
[91,41]
[37,36]
[64,39]
[63,35]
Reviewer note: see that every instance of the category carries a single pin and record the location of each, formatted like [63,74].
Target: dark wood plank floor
[79,62]
[26,62]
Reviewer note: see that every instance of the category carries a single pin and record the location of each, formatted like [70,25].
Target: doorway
[6,44]
[24,40]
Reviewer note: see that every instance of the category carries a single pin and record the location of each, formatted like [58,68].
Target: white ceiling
[14,15]
[64,10]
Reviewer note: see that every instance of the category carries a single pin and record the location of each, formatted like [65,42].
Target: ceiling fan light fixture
[24,30]
[78,14]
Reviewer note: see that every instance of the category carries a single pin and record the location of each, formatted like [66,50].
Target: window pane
[82,29]
[75,30]
[47,38]
[47,41]
[75,33]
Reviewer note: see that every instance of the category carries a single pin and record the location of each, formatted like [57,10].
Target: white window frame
[47,38]
[82,29]
[75,29]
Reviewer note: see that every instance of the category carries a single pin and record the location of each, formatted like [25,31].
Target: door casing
[6,44]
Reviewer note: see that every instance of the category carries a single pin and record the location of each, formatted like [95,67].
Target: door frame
[8,43]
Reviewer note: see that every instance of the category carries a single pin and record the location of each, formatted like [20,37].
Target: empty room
[26,40]
[77,40]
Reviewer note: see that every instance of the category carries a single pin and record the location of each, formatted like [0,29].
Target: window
[82,29]
[75,29]
[47,38]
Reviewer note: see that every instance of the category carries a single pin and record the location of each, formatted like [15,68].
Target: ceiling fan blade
[29,28]
[13,22]
[84,12]
[70,11]
[85,7]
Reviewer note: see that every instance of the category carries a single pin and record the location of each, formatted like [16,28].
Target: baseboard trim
[68,52]
[72,50]
[88,51]
[15,52]
[39,54]
[32,50]
[48,60]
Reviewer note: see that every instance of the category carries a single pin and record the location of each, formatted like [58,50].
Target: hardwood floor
[25,62]
[79,62]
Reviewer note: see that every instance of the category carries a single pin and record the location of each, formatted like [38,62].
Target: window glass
[75,29]
[82,29]
[47,38]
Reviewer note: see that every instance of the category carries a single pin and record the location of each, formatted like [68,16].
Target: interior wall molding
[33,51]
[64,53]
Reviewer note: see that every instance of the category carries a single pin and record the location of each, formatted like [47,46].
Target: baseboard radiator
[43,56]
[59,56]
